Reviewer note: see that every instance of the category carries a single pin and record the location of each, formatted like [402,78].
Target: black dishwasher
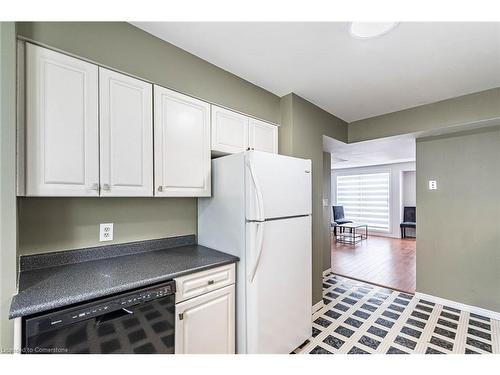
[142,321]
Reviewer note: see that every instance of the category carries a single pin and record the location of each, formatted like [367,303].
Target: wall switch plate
[433,185]
[326,203]
[106,232]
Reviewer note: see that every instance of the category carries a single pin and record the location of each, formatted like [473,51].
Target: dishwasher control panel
[146,296]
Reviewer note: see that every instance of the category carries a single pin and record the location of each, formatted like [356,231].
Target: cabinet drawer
[196,284]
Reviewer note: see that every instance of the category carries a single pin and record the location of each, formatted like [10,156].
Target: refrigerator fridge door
[278,303]
[277,186]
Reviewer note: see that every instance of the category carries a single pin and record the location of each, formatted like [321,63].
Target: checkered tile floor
[361,318]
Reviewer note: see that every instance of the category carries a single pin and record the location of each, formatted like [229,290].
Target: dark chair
[338,217]
[409,220]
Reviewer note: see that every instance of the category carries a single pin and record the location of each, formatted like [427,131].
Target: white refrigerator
[260,211]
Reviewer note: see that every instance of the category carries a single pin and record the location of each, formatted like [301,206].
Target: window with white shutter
[365,198]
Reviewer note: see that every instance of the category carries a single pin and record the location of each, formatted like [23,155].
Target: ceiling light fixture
[368,30]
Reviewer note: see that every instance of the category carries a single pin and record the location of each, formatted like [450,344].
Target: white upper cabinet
[89,131]
[263,136]
[233,132]
[126,135]
[181,145]
[229,131]
[61,125]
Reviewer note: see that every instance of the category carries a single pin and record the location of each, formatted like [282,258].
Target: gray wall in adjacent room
[458,225]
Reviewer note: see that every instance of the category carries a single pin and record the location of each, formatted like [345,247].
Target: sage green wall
[123,46]
[285,130]
[7,179]
[48,224]
[302,129]
[465,109]
[458,225]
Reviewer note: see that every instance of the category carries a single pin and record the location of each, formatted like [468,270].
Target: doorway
[373,183]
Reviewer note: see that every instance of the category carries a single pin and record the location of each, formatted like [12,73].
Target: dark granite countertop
[44,287]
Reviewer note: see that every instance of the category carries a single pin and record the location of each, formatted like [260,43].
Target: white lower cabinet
[205,324]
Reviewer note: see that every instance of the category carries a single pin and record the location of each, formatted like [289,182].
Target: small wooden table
[351,237]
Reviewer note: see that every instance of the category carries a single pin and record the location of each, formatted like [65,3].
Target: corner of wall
[286,125]
[8,236]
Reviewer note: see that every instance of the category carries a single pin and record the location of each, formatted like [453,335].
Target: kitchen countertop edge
[23,309]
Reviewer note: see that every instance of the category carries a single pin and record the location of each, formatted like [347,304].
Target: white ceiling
[414,64]
[391,150]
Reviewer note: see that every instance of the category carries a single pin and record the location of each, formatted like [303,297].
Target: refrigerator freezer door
[276,186]
[279,296]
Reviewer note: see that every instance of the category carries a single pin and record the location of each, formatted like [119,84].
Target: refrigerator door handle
[258,192]
[259,247]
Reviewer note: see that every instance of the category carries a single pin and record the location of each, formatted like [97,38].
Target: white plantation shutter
[365,198]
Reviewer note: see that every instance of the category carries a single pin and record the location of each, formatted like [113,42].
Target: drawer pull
[181,316]
[211,282]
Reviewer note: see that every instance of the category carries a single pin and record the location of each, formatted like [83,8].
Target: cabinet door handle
[95,186]
[211,282]
[106,187]
[160,188]
[181,316]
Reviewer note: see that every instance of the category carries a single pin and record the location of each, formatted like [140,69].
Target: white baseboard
[327,271]
[461,306]
[318,306]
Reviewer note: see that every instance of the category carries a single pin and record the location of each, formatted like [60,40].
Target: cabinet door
[61,125]
[205,324]
[229,131]
[126,135]
[263,136]
[182,145]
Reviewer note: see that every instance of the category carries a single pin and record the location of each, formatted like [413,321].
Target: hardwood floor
[384,261]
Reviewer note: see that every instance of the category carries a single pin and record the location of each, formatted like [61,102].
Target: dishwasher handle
[112,316]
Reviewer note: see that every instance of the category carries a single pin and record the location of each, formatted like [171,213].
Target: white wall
[409,189]
[396,190]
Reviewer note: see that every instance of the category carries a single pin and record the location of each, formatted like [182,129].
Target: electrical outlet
[433,185]
[106,232]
